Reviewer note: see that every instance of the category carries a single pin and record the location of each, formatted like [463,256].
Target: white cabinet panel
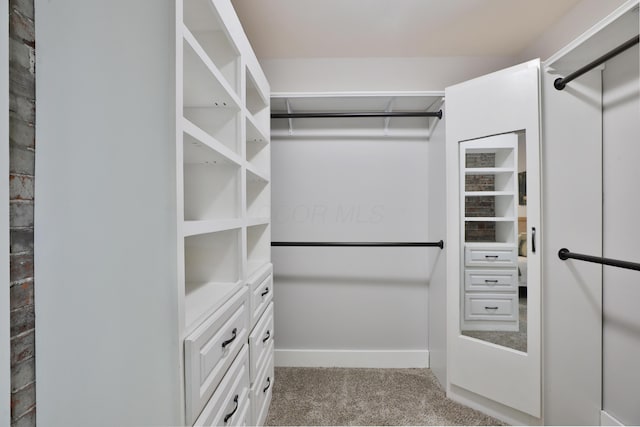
[260,342]
[210,350]
[228,404]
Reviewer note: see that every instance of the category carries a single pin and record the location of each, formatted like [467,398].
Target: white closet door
[505,102]
[621,238]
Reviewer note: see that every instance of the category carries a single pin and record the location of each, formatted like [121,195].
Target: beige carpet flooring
[365,397]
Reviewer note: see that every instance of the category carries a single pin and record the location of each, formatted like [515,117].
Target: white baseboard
[608,420]
[353,358]
[492,408]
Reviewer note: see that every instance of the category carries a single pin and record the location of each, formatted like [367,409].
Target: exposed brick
[21,294]
[26,420]
[22,56]
[24,6]
[21,214]
[22,116]
[23,400]
[22,320]
[21,266]
[21,240]
[22,160]
[21,26]
[21,133]
[21,81]
[22,347]
[23,374]
[20,187]
[22,108]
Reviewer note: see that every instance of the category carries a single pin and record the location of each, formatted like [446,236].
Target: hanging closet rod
[561,82]
[313,115]
[565,254]
[439,244]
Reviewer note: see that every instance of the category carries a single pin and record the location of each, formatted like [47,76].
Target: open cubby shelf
[203,83]
[258,199]
[196,227]
[212,268]
[257,102]
[200,146]
[254,134]
[490,230]
[258,247]
[256,175]
[203,23]
[211,191]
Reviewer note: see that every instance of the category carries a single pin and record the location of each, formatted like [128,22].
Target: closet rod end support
[441,244]
[559,83]
[439,116]
[562,254]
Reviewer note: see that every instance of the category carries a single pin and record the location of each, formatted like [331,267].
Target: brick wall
[21,190]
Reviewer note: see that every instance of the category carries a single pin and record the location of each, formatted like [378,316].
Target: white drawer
[261,296]
[260,342]
[210,350]
[245,416]
[491,307]
[261,391]
[490,257]
[491,280]
[230,404]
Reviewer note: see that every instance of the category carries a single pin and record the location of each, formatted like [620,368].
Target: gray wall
[621,237]
[333,189]
[437,231]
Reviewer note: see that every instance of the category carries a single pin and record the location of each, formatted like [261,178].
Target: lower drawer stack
[261,343]
[229,359]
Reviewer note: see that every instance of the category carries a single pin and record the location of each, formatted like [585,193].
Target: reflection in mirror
[494,233]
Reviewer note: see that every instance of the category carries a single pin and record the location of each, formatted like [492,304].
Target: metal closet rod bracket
[325,115]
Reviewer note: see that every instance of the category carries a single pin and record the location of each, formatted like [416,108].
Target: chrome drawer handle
[230,414]
[266,291]
[264,390]
[490,281]
[490,308]
[230,340]
[267,336]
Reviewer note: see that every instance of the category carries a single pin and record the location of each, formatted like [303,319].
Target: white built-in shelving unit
[187,270]
[223,154]
[488,175]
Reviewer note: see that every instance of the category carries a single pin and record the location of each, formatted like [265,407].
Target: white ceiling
[395,28]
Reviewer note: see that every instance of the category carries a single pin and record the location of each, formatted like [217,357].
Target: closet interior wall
[621,236]
[589,162]
[437,333]
[344,180]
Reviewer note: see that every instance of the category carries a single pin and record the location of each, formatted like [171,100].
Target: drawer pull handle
[230,414]
[490,308]
[267,336]
[491,256]
[266,291]
[264,390]
[230,340]
[490,281]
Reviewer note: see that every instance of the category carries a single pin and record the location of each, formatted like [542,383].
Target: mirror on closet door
[494,240]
